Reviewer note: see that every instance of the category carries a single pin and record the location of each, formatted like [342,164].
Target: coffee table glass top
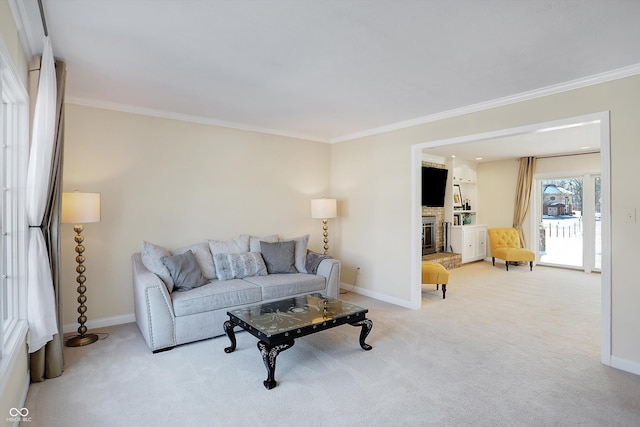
[289,314]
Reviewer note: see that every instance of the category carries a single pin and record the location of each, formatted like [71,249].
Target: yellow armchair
[505,244]
[435,273]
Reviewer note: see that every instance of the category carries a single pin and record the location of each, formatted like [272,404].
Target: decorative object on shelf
[324,209]
[80,208]
[466,218]
[457,196]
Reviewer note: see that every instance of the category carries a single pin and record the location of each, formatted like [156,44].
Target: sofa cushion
[254,242]
[152,259]
[239,265]
[184,270]
[301,252]
[215,295]
[279,256]
[203,256]
[284,285]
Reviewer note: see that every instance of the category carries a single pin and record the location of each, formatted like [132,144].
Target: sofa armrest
[153,307]
[330,270]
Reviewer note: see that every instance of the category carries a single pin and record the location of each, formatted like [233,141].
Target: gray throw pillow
[185,271]
[202,253]
[279,257]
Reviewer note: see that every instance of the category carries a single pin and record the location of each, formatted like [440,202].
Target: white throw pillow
[301,252]
[254,242]
[235,246]
[152,259]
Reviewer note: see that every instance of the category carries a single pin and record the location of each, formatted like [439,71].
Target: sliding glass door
[570,222]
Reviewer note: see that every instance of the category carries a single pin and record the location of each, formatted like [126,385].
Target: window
[13,225]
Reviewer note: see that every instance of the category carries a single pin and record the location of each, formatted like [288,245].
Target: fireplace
[428,235]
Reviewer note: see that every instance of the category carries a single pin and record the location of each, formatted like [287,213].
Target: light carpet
[513,348]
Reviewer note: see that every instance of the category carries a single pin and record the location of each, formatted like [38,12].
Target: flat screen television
[434,183]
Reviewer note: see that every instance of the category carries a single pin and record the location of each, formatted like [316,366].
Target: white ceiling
[327,70]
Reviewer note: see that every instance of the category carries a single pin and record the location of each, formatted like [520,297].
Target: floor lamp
[324,209]
[80,208]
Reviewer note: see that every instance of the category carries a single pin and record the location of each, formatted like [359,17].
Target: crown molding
[188,118]
[500,102]
[619,73]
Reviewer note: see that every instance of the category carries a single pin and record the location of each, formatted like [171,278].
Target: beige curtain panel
[523,194]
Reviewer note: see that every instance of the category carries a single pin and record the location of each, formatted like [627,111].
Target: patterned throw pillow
[239,265]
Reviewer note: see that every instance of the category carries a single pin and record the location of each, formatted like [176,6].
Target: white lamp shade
[80,208]
[324,208]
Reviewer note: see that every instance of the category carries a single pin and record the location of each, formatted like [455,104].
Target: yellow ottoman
[434,273]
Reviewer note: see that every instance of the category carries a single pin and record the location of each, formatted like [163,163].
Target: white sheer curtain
[41,308]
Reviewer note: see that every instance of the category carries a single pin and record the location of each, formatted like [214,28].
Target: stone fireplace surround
[448,260]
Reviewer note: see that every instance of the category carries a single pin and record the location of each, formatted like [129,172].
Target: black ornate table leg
[269,354]
[366,324]
[228,328]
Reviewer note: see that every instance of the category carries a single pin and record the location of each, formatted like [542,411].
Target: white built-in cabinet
[470,241]
[467,237]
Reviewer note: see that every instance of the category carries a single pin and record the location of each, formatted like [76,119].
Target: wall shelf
[462,182]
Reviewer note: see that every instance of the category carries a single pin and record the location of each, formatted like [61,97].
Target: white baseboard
[625,365]
[101,323]
[381,297]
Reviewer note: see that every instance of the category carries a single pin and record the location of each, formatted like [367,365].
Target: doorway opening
[518,143]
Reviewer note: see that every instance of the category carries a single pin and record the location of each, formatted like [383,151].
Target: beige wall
[373,176]
[496,192]
[175,183]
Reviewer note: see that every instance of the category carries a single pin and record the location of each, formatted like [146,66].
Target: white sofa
[168,316]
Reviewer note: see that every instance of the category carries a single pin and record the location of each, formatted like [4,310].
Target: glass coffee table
[277,324]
